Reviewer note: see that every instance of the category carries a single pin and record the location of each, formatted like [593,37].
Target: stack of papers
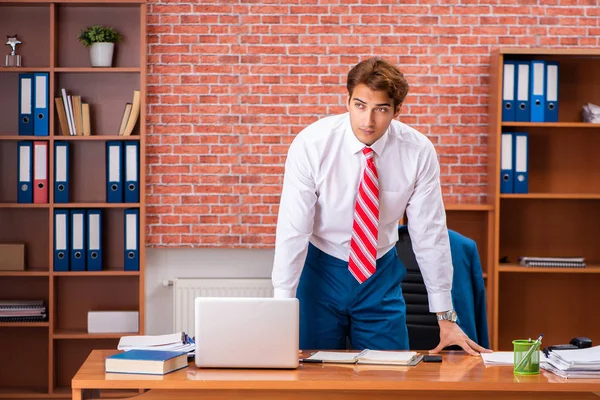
[378,357]
[503,358]
[172,342]
[579,363]
[591,113]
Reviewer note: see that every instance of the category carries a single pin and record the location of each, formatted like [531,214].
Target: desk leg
[77,394]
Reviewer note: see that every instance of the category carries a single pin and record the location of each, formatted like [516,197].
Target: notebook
[378,357]
[246,332]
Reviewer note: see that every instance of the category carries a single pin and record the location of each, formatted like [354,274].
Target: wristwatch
[449,315]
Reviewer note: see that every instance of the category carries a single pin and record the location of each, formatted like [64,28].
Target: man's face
[371,112]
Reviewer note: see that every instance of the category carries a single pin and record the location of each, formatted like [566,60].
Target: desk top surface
[457,371]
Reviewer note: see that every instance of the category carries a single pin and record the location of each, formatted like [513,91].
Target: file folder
[114,173]
[78,240]
[132,234]
[40,172]
[132,176]
[61,172]
[506,163]
[26,86]
[520,178]
[508,91]
[40,110]
[551,109]
[536,85]
[25,172]
[94,240]
[61,240]
[522,103]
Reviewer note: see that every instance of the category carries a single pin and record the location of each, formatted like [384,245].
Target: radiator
[185,291]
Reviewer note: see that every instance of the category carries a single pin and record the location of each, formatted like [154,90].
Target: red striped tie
[363,246]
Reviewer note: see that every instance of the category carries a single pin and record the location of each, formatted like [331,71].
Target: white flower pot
[101,54]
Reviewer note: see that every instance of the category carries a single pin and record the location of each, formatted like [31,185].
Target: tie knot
[368,152]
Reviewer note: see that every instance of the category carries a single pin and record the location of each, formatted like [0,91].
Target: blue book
[152,362]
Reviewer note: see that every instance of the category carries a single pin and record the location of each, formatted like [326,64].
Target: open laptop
[246,332]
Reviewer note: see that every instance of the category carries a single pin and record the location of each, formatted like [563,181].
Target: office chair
[468,293]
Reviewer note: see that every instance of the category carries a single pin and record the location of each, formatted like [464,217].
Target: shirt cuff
[284,294]
[440,302]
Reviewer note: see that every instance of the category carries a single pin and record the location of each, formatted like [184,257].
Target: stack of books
[23,311]
[591,113]
[552,262]
[178,341]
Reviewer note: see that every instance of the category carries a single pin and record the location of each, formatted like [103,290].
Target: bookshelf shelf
[590,269]
[551,125]
[96,137]
[50,29]
[468,207]
[96,70]
[560,214]
[83,334]
[553,196]
[96,273]
[24,324]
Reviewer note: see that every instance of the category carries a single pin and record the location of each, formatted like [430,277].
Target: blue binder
[61,172]
[521,162]
[551,108]
[94,240]
[131,236]
[522,103]
[536,87]
[78,237]
[25,172]
[132,176]
[41,123]
[506,163]
[508,90]
[61,240]
[114,172]
[26,90]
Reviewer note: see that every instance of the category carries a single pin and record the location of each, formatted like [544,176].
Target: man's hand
[450,333]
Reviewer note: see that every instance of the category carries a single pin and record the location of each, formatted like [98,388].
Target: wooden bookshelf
[49,30]
[558,217]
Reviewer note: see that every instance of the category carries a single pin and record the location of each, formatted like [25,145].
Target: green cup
[526,357]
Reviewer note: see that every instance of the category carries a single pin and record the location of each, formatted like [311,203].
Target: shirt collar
[354,145]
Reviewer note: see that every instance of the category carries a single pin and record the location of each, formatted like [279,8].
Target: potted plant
[101,41]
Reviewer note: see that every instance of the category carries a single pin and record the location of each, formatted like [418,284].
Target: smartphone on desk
[432,358]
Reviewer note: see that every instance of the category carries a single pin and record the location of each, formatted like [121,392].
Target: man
[348,180]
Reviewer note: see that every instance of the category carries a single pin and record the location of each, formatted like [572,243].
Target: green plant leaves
[99,34]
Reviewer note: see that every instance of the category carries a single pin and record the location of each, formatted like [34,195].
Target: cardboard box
[12,257]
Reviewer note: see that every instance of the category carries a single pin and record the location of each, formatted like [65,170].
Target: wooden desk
[459,376]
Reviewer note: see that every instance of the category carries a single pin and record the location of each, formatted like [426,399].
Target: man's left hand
[450,333]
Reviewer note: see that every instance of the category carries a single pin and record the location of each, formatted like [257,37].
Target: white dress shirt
[322,174]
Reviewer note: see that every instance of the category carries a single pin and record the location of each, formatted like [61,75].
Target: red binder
[40,172]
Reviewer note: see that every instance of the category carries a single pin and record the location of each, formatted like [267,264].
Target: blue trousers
[333,305]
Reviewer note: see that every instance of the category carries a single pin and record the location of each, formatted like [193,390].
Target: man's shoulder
[324,127]
[408,134]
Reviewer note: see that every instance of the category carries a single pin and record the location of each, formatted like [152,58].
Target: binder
[25,172]
[41,125]
[551,108]
[132,234]
[506,163]
[78,240]
[522,103]
[132,177]
[520,178]
[536,87]
[26,86]
[61,172]
[61,240]
[40,172]
[94,240]
[114,173]
[508,91]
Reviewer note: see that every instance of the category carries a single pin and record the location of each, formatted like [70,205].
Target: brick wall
[231,82]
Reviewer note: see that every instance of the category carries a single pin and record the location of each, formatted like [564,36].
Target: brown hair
[379,74]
